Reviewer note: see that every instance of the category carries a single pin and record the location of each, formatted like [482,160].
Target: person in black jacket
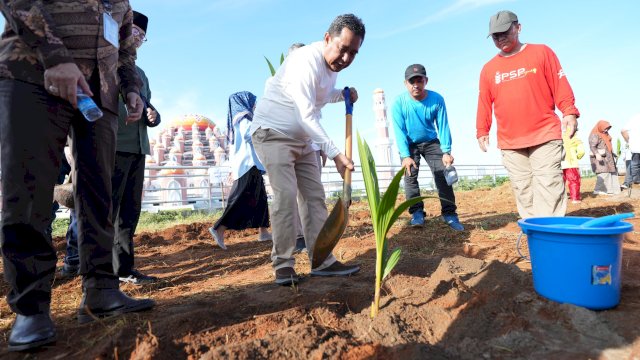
[128,174]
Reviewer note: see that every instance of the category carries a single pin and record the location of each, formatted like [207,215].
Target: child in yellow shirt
[573,151]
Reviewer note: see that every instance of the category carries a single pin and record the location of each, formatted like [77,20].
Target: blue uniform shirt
[416,122]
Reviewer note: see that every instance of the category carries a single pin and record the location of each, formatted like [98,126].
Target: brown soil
[453,295]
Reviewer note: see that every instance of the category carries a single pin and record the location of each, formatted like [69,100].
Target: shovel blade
[330,233]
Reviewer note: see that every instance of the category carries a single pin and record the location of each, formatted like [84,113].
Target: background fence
[207,188]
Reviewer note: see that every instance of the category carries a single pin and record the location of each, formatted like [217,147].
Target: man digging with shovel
[285,123]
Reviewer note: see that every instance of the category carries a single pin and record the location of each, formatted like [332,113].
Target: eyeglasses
[416,79]
[139,34]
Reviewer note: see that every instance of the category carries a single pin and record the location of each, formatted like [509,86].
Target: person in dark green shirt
[128,174]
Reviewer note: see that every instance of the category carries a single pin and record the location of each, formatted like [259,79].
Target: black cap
[140,20]
[415,70]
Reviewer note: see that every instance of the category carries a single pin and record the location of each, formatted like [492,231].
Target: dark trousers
[635,168]
[33,131]
[128,180]
[433,156]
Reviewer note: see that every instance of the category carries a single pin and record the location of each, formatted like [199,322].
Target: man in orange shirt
[524,84]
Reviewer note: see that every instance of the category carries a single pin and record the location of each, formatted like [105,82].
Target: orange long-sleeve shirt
[524,90]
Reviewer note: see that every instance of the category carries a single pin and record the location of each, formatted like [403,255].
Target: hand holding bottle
[63,81]
[134,106]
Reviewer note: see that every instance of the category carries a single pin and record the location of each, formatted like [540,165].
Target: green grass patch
[151,222]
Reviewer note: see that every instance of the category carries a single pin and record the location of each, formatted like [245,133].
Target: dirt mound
[453,295]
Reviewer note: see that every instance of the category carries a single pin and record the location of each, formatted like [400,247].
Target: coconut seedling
[383,214]
[272,69]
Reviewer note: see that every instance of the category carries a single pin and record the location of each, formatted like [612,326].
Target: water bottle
[450,175]
[87,106]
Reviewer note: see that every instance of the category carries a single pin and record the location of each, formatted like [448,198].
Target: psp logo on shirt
[561,73]
[513,74]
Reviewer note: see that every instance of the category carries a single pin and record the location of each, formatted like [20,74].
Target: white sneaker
[217,238]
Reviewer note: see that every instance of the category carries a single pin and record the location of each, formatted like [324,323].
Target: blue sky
[201,51]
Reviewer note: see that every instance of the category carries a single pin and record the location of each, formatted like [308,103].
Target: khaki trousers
[292,167]
[536,179]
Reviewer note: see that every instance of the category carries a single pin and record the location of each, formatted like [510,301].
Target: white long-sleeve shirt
[242,156]
[294,96]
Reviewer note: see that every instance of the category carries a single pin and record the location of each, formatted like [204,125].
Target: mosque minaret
[383,143]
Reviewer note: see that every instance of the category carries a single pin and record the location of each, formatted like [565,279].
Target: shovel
[336,223]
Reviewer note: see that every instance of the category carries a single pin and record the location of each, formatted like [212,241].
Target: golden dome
[171,172]
[186,122]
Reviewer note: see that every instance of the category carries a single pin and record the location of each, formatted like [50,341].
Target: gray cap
[501,22]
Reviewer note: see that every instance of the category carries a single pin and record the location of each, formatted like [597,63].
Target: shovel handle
[348,142]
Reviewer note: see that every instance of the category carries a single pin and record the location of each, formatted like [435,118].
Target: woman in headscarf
[247,203]
[603,162]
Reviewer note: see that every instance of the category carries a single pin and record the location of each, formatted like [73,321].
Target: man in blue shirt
[422,129]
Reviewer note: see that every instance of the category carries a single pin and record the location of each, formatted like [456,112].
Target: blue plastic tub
[570,264]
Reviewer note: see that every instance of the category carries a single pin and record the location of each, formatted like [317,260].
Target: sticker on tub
[601,275]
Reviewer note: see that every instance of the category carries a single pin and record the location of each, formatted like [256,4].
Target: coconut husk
[63,194]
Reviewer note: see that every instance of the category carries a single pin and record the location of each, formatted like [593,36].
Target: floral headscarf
[240,107]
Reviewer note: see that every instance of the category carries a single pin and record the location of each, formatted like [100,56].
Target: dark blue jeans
[433,156]
[72,258]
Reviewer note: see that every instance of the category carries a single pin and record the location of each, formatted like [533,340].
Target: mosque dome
[167,171]
[186,122]
[172,172]
[199,156]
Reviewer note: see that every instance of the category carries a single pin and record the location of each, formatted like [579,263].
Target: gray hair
[348,21]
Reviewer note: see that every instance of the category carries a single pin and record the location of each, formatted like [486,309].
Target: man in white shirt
[285,124]
[631,134]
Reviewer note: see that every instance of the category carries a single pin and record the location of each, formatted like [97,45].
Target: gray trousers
[33,131]
[292,167]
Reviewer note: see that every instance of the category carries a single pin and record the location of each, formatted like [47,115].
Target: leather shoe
[31,331]
[101,303]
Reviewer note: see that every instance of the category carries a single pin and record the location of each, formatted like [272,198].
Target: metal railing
[207,187]
[195,189]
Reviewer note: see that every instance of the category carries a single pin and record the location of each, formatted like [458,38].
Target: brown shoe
[286,276]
